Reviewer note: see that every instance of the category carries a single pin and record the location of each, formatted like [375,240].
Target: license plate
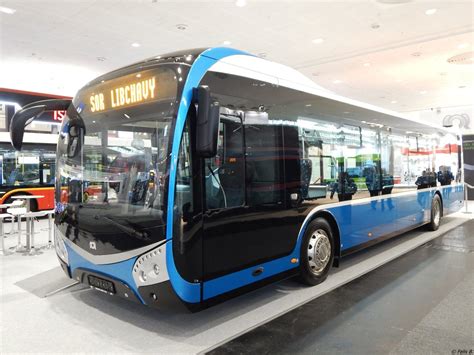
[101,284]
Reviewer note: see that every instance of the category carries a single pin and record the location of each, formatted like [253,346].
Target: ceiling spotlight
[135,45]
[7,10]
[422,92]
[337,81]
[181,26]
[317,40]
[430,12]
[241,3]
[366,64]
[463,45]
[226,43]
[308,105]
[394,101]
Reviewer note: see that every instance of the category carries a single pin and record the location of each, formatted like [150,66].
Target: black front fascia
[98,231]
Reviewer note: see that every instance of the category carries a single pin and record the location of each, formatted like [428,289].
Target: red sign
[58,115]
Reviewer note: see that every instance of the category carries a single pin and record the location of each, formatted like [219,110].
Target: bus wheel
[316,252]
[436,211]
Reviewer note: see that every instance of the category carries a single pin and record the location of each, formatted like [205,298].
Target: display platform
[34,318]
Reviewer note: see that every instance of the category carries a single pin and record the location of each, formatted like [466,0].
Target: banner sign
[468,151]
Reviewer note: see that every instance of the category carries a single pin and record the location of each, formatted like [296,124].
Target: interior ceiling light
[317,40]
[241,3]
[463,45]
[398,80]
[7,10]
[366,64]
[226,43]
[135,44]
[394,101]
[101,59]
[394,1]
[181,26]
[430,12]
[422,92]
[375,26]
[337,81]
[463,58]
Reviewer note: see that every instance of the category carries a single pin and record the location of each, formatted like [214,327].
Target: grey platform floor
[420,303]
[86,321]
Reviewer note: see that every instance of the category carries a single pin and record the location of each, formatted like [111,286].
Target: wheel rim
[319,251]
[436,212]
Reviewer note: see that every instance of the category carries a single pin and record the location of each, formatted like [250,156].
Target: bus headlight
[60,246]
[150,268]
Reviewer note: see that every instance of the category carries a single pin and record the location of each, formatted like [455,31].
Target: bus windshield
[112,159]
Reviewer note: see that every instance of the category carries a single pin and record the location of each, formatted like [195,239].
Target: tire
[436,213]
[318,237]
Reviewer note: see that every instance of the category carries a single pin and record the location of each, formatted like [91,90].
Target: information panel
[468,151]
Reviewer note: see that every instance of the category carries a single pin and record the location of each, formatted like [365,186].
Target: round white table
[27,198]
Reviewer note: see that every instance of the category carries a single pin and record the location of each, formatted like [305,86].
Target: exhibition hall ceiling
[391,53]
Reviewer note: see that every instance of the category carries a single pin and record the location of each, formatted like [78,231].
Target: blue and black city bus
[213,171]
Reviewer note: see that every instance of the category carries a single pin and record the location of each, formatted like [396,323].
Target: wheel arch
[442,203]
[329,217]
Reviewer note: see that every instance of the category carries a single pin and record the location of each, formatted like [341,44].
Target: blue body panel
[379,216]
[121,271]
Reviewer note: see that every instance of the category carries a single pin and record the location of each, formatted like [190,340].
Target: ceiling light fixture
[226,43]
[463,45]
[398,80]
[430,12]
[337,81]
[422,92]
[394,101]
[101,59]
[241,3]
[366,64]
[7,10]
[318,41]
[181,26]
[308,105]
[135,45]
[375,26]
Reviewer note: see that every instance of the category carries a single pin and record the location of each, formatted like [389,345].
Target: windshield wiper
[130,231]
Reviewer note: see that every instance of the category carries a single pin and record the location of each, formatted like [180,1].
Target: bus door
[243,220]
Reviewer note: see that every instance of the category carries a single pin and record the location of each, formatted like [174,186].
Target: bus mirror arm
[207,124]
[28,113]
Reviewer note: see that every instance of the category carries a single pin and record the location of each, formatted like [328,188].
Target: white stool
[17,212]
[4,216]
[30,218]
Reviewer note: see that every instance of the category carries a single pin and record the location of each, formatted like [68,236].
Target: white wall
[437,115]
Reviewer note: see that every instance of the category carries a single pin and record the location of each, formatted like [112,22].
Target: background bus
[230,172]
[31,171]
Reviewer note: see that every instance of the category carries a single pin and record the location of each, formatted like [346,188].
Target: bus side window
[264,159]
[224,174]
[184,178]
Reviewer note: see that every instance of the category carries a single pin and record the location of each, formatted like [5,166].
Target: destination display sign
[129,90]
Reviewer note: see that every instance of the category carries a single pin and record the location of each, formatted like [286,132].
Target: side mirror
[23,117]
[207,125]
